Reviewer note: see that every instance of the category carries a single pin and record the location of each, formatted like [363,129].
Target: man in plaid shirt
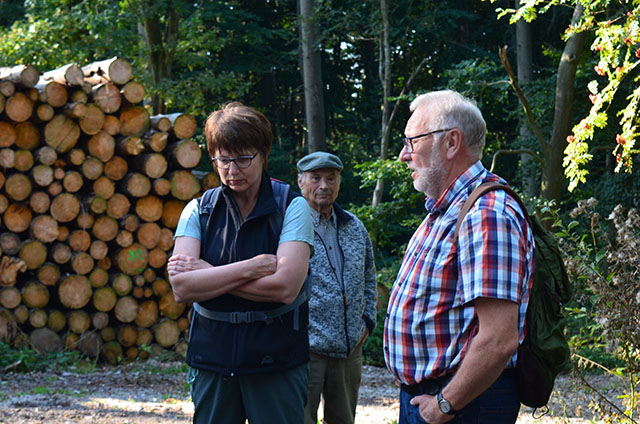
[456,311]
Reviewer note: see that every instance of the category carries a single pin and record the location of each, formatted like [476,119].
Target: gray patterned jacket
[338,315]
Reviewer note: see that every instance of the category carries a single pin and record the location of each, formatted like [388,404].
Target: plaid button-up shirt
[431,318]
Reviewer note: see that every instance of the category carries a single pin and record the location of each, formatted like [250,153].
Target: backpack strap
[479,192]
[281,194]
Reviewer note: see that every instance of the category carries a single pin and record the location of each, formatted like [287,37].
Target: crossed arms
[263,278]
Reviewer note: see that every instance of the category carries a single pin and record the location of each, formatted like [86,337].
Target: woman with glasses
[241,255]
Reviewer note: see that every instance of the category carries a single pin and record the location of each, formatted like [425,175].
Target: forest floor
[155,391]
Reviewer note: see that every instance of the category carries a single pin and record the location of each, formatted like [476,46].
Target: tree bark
[117,69]
[553,173]
[24,75]
[70,74]
[312,77]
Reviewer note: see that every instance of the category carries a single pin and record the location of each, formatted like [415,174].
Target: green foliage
[604,263]
[391,223]
[373,347]
[616,29]
[23,359]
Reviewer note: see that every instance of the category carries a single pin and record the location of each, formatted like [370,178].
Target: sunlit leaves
[616,44]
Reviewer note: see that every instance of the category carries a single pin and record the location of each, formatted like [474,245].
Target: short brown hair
[238,128]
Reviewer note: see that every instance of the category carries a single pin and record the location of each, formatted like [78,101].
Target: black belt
[434,385]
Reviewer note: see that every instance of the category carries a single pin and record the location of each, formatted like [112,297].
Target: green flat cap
[317,160]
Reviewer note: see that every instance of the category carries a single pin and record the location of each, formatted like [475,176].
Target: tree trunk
[553,173]
[184,154]
[65,207]
[10,297]
[70,74]
[126,309]
[107,97]
[184,185]
[524,50]
[149,208]
[27,135]
[104,299]
[49,274]
[147,315]
[116,69]
[118,206]
[134,120]
[92,120]
[17,217]
[74,291]
[61,133]
[312,77]
[133,259]
[155,141]
[133,92]
[18,107]
[385,75]
[153,165]
[52,93]
[24,75]
[79,321]
[166,332]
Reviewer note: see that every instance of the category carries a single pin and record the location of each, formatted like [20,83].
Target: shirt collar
[316,218]
[456,188]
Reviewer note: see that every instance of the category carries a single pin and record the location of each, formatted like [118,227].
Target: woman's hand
[182,263]
[261,266]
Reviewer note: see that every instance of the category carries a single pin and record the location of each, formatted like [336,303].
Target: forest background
[556,81]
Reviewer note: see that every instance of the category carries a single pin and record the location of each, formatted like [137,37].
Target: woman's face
[236,178]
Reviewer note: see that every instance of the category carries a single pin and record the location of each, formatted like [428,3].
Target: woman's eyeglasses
[241,162]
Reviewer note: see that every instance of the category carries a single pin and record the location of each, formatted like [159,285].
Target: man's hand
[182,263]
[429,409]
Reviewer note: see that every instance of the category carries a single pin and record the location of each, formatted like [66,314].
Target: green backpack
[544,351]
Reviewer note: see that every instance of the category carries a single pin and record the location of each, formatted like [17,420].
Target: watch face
[445,406]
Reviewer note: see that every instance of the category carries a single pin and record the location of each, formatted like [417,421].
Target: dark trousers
[499,404]
[261,398]
[338,381]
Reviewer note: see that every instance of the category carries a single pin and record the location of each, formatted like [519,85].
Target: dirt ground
[155,391]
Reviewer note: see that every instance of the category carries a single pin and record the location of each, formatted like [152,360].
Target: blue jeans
[499,404]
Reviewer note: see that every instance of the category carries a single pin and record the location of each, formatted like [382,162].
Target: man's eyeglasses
[408,141]
[241,162]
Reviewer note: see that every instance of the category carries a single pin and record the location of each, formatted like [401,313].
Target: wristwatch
[445,406]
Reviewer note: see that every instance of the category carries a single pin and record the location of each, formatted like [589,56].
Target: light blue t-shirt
[297,224]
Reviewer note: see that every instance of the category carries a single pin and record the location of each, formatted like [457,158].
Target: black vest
[244,348]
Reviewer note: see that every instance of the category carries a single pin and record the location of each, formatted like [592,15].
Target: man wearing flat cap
[342,307]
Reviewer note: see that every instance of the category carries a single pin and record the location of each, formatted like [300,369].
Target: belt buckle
[240,317]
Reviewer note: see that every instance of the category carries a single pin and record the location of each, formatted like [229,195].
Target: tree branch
[404,89]
[530,152]
[523,100]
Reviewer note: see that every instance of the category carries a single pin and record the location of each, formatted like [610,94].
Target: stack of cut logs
[91,189]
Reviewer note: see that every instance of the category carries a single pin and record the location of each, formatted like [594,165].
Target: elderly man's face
[320,187]
[427,161]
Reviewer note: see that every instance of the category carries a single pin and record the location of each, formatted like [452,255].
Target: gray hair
[449,109]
